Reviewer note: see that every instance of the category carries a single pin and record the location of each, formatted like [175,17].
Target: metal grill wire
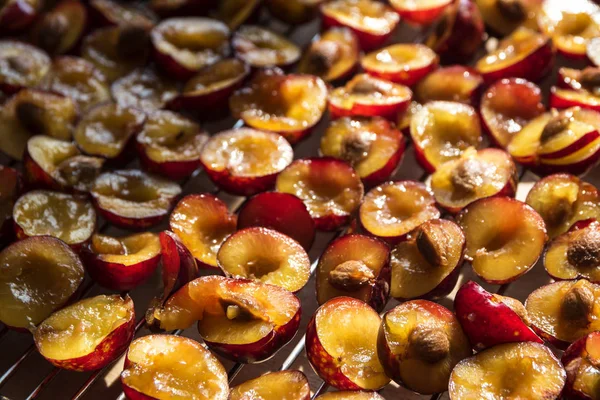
[25,375]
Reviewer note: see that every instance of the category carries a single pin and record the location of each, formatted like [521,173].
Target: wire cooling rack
[24,374]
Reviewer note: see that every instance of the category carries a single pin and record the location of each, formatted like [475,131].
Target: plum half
[504,16]
[265,255]
[581,363]
[490,319]
[121,264]
[393,209]
[245,161]
[526,371]
[451,83]
[21,65]
[59,30]
[355,266]
[341,345]
[287,385]
[423,12]
[401,63]
[350,395]
[235,13]
[428,263]
[373,146]
[242,320]
[495,242]
[156,366]
[330,189]
[263,48]
[144,89]
[419,343]
[113,13]
[48,273]
[87,335]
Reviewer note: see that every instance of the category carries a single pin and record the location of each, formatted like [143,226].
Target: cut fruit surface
[368,96]
[581,363]
[562,312]
[235,13]
[427,264]
[442,131]
[341,345]
[401,63]
[265,255]
[202,222]
[262,48]
[281,385]
[355,266]
[122,263]
[494,240]
[132,198]
[422,12]
[144,89]
[87,335]
[333,56]
[21,65]
[69,218]
[47,273]
[350,395]
[507,106]
[477,174]
[419,343]
[371,145]
[452,83]
[562,200]
[565,98]
[330,189]
[243,320]
[245,161]
[112,13]
[393,209]
[59,29]
[175,367]
[298,104]
[525,370]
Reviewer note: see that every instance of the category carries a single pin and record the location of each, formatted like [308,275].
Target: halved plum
[330,189]
[242,320]
[420,12]
[133,199]
[87,335]
[265,255]
[107,130]
[477,174]
[393,209]
[504,16]
[235,13]
[562,200]
[586,97]
[452,83]
[288,385]
[69,218]
[202,222]
[58,165]
[10,188]
[495,242]
[282,212]
[47,272]
[144,89]
[156,366]
[263,48]
[121,264]
[401,63]
[21,65]
[341,345]
[428,263]
[294,12]
[368,96]
[113,13]
[526,371]
[373,22]
[78,79]
[350,395]
[333,56]
[208,92]
[60,29]
[355,266]
[419,343]
[245,161]
[442,131]
[116,50]
[524,54]
[373,146]
[170,144]
[507,106]
[490,319]
[290,105]
[564,311]
[183,46]
[16,15]
[581,363]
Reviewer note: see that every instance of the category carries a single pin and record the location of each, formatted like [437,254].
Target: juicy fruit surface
[453,83]
[34,64]
[517,370]
[39,275]
[144,89]
[166,366]
[129,250]
[581,363]
[574,254]
[350,395]
[261,47]
[283,385]
[352,13]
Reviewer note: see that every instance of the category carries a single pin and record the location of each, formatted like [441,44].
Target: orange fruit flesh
[521,43]
[350,395]
[262,47]
[346,56]
[132,249]
[59,112]
[354,13]
[282,385]
[77,330]
[448,84]
[386,93]
[556,260]
[217,76]
[400,57]
[48,152]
